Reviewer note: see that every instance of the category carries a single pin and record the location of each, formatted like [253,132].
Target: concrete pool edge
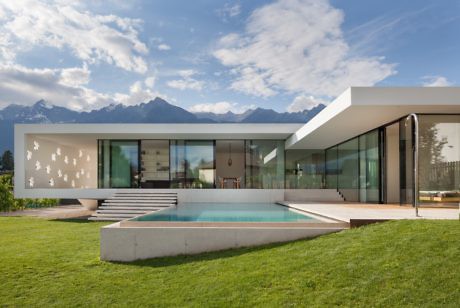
[126,244]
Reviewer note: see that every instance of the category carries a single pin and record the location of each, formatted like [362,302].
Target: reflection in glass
[304,169]
[348,169]
[124,164]
[369,167]
[331,168]
[265,164]
[439,158]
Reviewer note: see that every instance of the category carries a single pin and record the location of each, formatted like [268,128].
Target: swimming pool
[228,212]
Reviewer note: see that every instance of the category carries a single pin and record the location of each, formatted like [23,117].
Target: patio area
[354,213]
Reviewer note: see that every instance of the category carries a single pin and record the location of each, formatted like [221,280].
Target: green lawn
[414,263]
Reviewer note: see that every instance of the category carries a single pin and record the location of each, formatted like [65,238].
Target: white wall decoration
[46,170]
[88,158]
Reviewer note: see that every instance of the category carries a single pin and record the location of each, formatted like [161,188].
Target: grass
[399,263]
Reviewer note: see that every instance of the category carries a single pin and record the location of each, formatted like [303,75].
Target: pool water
[228,212]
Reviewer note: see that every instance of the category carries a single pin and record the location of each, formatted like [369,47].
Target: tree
[7,161]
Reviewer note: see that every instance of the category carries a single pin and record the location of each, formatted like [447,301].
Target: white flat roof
[361,109]
[165,131]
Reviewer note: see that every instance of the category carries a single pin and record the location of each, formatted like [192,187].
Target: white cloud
[90,37]
[150,82]
[304,102]
[436,81]
[164,47]
[221,107]
[22,85]
[229,11]
[297,46]
[75,76]
[186,82]
[65,87]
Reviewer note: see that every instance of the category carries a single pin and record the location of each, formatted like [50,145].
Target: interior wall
[49,163]
[236,170]
[392,164]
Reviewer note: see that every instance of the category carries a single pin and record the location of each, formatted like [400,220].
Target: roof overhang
[361,109]
[164,131]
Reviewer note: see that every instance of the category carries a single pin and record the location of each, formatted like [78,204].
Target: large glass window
[265,164]
[155,163]
[331,168]
[192,164]
[200,167]
[124,164]
[348,169]
[369,169]
[104,163]
[304,169]
[230,164]
[439,158]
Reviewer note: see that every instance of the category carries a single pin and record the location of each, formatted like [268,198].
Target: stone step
[144,197]
[133,204]
[122,212]
[141,208]
[145,194]
[121,216]
[141,201]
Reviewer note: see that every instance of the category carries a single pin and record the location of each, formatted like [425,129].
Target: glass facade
[264,164]
[305,169]
[363,169]
[439,158]
[353,168]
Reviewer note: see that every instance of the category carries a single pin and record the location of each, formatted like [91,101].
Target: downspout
[415,146]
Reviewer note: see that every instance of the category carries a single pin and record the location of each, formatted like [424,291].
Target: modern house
[360,148]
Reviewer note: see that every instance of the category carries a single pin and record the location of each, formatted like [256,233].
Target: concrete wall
[50,164]
[129,244]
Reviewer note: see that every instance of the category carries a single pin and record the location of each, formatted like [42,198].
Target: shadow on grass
[82,220]
[203,257]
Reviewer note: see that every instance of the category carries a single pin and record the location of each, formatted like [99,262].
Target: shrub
[9,203]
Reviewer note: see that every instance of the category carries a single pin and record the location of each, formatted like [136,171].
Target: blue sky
[217,56]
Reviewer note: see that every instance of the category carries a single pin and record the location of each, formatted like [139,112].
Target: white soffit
[163,131]
[361,109]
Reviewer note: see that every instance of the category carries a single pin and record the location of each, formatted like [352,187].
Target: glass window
[124,164]
[199,164]
[230,164]
[304,169]
[331,168]
[155,163]
[369,167]
[104,163]
[177,163]
[265,164]
[439,158]
[348,169]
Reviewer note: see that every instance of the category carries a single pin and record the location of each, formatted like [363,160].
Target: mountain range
[154,111]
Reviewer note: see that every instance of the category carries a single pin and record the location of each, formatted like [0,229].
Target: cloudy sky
[209,55]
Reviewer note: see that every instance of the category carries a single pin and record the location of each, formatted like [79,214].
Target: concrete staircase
[125,204]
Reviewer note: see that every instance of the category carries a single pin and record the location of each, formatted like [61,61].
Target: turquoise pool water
[228,212]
